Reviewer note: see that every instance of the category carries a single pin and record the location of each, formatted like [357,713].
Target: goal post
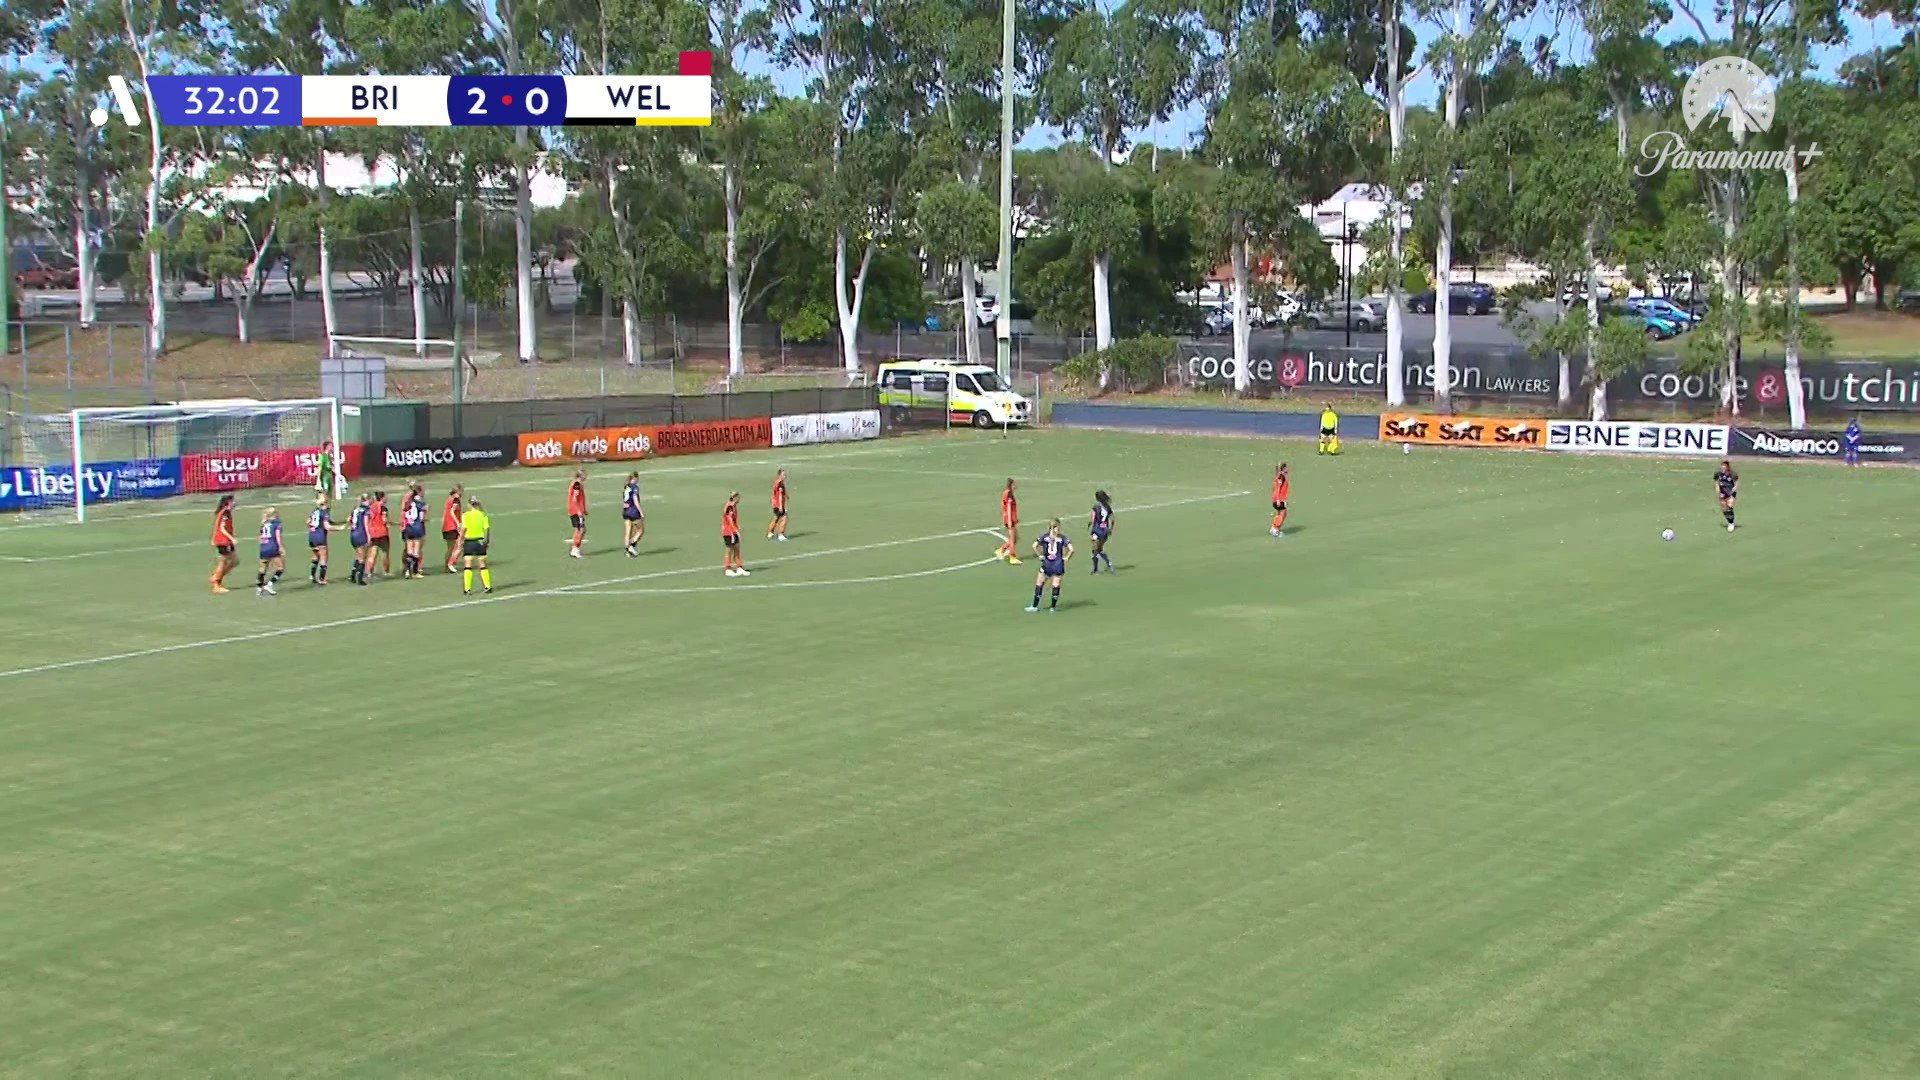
[90,457]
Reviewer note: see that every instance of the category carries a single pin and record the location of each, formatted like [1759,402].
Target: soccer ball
[1406,448]
[1667,535]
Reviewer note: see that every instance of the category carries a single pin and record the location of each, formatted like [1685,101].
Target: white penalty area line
[384,616]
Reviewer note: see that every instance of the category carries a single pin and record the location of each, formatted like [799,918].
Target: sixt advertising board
[37,487]
[1504,432]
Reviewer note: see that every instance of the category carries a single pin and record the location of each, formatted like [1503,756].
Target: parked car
[48,277]
[986,310]
[1657,327]
[1359,314]
[1218,321]
[1466,297]
[1663,308]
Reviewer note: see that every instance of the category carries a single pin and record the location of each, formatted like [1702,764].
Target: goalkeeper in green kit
[325,477]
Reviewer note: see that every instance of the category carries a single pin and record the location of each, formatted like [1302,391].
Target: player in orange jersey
[730,537]
[450,528]
[577,510]
[1010,520]
[379,542]
[224,560]
[777,528]
[1280,489]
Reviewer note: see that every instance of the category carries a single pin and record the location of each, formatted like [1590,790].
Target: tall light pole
[1003,327]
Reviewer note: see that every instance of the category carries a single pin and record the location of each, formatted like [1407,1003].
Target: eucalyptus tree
[295,37]
[1285,120]
[155,34]
[412,37]
[739,32]
[1110,72]
[852,56]
[515,30]
[1468,34]
[647,179]
[74,190]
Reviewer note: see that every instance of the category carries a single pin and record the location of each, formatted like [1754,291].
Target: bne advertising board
[1638,437]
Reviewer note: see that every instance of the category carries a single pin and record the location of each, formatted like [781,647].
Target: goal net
[71,463]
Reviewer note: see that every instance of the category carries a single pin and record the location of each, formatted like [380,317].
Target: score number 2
[507,100]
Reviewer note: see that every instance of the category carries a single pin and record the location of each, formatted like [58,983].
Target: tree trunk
[1597,406]
[156,288]
[847,305]
[328,314]
[416,261]
[523,245]
[1242,333]
[1796,393]
[736,309]
[1443,244]
[630,332]
[1735,285]
[1397,132]
[1102,301]
[83,255]
[970,303]
[1563,402]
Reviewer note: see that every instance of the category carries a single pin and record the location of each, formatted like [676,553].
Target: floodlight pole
[1003,326]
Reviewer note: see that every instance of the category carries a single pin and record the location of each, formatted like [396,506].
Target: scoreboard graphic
[680,100]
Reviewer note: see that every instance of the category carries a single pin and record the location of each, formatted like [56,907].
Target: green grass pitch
[1469,776]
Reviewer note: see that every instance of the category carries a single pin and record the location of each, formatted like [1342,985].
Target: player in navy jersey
[1054,549]
[1851,441]
[317,529]
[1727,484]
[272,561]
[357,536]
[1100,524]
[635,522]
[413,530]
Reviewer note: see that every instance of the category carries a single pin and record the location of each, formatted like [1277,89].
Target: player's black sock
[260,581]
[1728,514]
[313,571]
[1036,596]
[354,574]
[276,577]
[321,574]
[1056,598]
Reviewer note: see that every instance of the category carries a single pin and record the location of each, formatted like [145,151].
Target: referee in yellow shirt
[1329,430]
[475,530]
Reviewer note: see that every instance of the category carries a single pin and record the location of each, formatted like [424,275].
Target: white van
[969,393]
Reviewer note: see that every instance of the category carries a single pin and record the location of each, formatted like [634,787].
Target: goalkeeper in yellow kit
[1329,430]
